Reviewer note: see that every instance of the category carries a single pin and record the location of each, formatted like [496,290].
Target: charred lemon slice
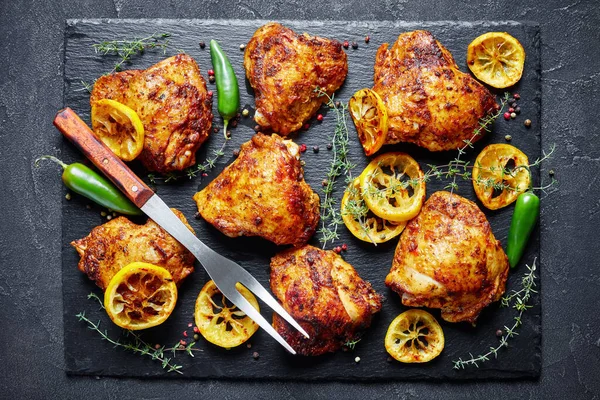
[500,174]
[496,58]
[414,337]
[393,187]
[119,127]
[361,222]
[140,296]
[370,118]
[221,322]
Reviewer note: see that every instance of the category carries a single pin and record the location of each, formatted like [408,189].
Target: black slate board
[86,354]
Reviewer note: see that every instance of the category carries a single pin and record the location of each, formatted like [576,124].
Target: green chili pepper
[525,216]
[228,91]
[87,182]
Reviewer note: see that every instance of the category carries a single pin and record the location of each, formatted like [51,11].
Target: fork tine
[243,304]
[246,279]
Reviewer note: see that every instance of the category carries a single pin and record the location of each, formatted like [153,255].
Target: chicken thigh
[448,258]
[429,101]
[284,69]
[325,295]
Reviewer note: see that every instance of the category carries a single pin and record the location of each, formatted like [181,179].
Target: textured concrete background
[30,287]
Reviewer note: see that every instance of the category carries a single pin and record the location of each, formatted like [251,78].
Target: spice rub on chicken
[119,242]
[173,104]
[284,69]
[325,295]
[448,258]
[262,193]
[429,101]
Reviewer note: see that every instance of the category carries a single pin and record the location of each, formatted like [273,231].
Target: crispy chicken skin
[325,295]
[448,258]
[262,193]
[284,69]
[429,101]
[173,104]
[113,245]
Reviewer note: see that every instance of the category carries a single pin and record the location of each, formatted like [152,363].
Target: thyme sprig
[340,165]
[125,49]
[193,171]
[520,303]
[138,345]
[351,344]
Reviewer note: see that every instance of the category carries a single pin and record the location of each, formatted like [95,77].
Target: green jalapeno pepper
[525,216]
[228,91]
[87,182]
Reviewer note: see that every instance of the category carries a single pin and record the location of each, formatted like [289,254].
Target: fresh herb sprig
[351,344]
[126,49]
[340,165]
[520,302]
[138,345]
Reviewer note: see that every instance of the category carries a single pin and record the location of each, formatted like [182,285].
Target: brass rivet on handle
[134,188]
[105,161]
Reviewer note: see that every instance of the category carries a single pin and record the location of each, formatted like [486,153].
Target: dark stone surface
[86,354]
[30,240]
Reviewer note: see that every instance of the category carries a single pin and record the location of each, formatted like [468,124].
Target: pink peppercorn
[320,117]
[517,96]
[196,330]
[302,148]
[211,72]
[184,333]
[507,116]
[182,342]
[344,247]
[306,126]
[210,93]
[511,110]
[346,44]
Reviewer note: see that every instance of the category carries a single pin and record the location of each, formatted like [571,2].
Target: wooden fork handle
[71,126]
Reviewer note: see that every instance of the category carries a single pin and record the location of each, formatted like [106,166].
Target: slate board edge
[425,24]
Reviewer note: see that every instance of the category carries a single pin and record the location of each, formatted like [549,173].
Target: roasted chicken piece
[325,295]
[262,193]
[448,258]
[115,244]
[429,101]
[173,104]
[284,69]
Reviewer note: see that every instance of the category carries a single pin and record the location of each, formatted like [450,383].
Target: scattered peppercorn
[68,196]
[202,45]
[236,153]
[196,330]
[233,124]
[157,346]
[196,337]
[527,123]
[204,174]
[499,333]
[182,342]
[210,93]
[211,72]
[508,138]
[511,100]
[245,112]
[517,96]
[215,130]
[346,44]
[329,146]
[315,149]
[197,216]
[242,46]
[367,38]
[249,345]
[337,104]
[108,217]
[511,110]
[103,213]
[514,104]
[518,110]
[255,355]
[320,117]
[344,247]
[507,116]
[354,45]
[324,182]
[184,333]
[302,148]
[257,128]
[306,126]
[513,115]
[211,78]
[337,249]
[551,172]
[357,359]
